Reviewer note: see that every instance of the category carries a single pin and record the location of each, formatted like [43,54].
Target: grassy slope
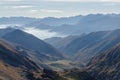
[8,72]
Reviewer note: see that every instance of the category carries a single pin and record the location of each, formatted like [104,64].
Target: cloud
[110,0]
[84,0]
[45,11]
[51,11]
[16,7]
[109,4]
[11,0]
[33,11]
[43,34]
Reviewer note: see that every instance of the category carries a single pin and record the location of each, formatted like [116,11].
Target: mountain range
[30,42]
[83,48]
[19,63]
[75,25]
[91,51]
[16,65]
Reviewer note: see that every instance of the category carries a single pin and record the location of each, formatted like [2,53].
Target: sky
[57,8]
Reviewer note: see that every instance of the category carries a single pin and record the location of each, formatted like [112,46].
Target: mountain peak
[31,42]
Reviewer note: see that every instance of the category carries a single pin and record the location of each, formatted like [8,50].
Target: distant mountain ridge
[16,20]
[75,25]
[30,22]
[91,23]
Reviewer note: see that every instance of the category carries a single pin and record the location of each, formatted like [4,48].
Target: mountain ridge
[31,42]
[106,65]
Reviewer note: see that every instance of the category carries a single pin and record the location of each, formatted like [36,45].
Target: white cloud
[11,0]
[109,4]
[110,0]
[33,11]
[16,7]
[43,34]
[51,11]
[84,0]
[3,26]
[45,11]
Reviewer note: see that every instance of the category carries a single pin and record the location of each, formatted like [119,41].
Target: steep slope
[14,57]
[32,43]
[16,63]
[106,66]
[13,63]
[19,65]
[8,72]
[4,31]
[85,47]
[105,39]
[61,42]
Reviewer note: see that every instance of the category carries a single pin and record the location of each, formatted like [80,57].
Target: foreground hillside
[106,66]
[8,72]
[25,57]
[18,65]
[13,63]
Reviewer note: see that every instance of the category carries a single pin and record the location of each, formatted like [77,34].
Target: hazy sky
[57,8]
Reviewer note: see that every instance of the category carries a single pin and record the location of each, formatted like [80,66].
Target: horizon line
[62,16]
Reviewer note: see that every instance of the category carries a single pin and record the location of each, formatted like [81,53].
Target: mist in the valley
[43,34]
[39,33]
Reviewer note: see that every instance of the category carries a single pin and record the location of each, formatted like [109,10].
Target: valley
[81,54]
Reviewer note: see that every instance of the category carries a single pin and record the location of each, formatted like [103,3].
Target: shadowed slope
[106,66]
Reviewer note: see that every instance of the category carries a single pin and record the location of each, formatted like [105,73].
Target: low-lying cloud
[43,34]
